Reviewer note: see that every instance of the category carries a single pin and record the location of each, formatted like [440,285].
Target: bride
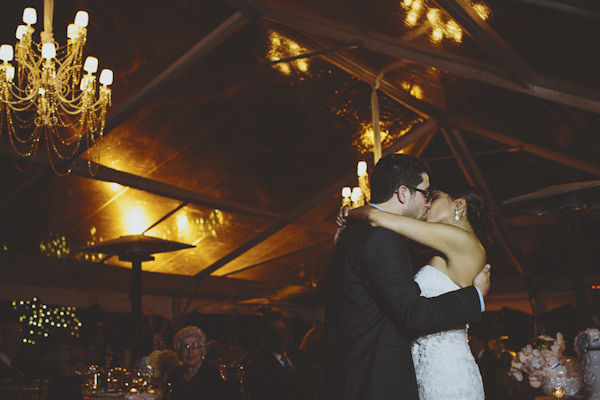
[459,227]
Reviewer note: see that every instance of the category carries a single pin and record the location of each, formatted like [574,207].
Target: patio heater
[572,202]
[136,249]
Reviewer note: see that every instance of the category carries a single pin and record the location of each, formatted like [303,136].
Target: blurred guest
[60,370]
[195,379]
[489,364]
[242,349]
[157,342]
[276,372]
[81,356]
[11,341]
[225,355]
[288,336]
[212,353]
[313,345]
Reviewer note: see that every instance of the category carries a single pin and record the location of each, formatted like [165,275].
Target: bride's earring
[456,218]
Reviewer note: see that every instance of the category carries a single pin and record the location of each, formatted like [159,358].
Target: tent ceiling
[207,144]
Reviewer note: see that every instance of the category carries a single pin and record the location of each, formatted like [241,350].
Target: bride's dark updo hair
[479,213]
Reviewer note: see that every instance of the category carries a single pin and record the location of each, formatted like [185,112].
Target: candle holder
[558,392]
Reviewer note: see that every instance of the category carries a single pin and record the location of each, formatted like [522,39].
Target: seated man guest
[242,349]
[195,379]
[60,370]
[11,341]
[276,372]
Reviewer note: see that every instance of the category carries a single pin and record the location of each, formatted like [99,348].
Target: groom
[374,306]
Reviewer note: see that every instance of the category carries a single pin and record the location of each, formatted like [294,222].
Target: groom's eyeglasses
[426,193]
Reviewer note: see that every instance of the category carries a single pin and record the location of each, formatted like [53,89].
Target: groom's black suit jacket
[373,310]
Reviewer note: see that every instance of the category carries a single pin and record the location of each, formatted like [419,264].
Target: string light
[43,320]
[282,47]
[439,25]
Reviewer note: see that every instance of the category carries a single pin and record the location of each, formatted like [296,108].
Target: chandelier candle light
[360,194]
[48,94]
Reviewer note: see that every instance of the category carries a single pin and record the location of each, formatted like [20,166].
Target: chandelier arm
[33,92]
[71,107]
[26,57]
[101,102]
[24,54]
[65,65]
[74,111]
[69,72]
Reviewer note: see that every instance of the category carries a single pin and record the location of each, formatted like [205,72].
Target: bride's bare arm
[441,237]
[465,255]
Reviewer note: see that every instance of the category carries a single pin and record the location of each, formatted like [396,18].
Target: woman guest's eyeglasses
[193,346]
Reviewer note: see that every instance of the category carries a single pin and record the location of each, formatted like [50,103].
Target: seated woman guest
[195,379]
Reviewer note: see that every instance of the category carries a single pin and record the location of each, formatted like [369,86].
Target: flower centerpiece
[162,362]
[546,366]
[539,362]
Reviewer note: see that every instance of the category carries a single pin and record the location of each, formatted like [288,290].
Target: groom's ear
[402,193]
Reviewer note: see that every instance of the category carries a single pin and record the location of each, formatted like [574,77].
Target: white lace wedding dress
[443,361]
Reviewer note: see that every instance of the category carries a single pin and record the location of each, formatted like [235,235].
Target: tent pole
[579,284]
[508,241]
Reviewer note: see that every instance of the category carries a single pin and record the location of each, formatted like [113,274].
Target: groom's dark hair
[393,171]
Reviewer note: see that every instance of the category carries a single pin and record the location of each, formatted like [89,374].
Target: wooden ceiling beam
[464,14]
[583,8]
[551,89]
[423,108]
[556,157]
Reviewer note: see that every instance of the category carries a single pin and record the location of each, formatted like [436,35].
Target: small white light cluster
[43,320]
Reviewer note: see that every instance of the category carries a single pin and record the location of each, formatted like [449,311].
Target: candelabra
[360,194]
[47,95]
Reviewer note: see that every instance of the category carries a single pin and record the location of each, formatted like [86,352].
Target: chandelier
[48,95]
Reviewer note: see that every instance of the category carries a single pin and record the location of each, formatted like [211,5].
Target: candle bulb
[346,196]
[356,197]
[558,392]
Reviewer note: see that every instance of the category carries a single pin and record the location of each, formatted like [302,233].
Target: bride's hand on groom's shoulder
[362,214]
[341,218]
[341,222]
[482,280]
[349,213]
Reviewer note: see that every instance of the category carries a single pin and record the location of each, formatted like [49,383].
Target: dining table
[121,395]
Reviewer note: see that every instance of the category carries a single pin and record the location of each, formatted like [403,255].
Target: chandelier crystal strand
[51,93]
